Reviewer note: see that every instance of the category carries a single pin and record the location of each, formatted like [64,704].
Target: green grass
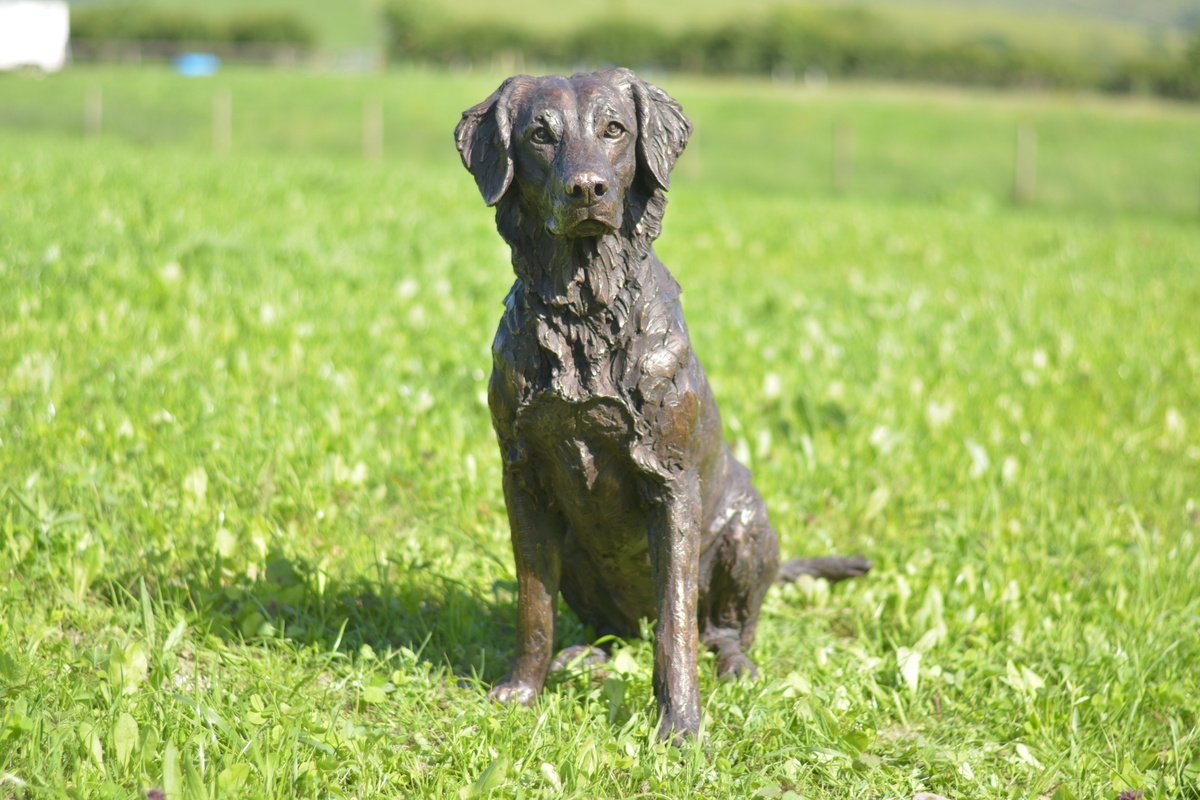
[942,146]
[252,541]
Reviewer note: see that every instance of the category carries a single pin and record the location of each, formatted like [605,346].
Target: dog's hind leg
[741,567]
[578,656]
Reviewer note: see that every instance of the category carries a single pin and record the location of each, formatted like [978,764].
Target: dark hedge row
[139,24]
[846,42]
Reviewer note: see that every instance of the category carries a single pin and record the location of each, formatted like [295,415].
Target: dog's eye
[540,136]
[615,130]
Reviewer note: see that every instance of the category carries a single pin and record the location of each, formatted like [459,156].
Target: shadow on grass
[448,623]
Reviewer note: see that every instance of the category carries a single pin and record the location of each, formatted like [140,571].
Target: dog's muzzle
[587,204]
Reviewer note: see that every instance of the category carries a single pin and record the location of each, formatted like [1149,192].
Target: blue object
[197,65]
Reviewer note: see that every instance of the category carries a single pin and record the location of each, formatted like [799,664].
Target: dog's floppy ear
[663,130]
[484,138]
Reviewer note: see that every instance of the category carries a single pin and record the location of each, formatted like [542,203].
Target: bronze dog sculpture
[621,491]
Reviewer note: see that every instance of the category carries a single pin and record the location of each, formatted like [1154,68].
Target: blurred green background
[1149,48]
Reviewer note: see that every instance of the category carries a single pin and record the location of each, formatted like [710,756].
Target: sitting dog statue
[621,491]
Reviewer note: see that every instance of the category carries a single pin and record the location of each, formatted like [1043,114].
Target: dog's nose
[587,187]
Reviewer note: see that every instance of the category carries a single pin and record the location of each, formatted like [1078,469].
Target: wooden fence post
[93,113]
[222,133]
[372,140]
[1025,165]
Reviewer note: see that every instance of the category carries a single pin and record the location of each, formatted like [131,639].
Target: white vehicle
[33,34]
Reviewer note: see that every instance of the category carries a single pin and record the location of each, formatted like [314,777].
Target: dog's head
[572,151]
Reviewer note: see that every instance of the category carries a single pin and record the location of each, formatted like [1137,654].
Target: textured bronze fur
[621,491]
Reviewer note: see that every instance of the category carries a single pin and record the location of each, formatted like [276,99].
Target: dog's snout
[587,187]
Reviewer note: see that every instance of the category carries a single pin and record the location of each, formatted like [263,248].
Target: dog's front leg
[537,549]
[675,565]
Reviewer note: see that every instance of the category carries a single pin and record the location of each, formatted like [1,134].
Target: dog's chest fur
[590,387]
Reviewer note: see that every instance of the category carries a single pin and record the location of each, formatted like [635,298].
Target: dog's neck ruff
[583,276]
[576,297]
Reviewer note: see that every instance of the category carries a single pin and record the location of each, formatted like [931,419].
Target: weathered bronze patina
[621,491]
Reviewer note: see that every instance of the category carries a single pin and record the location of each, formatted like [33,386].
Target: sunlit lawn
[252,541]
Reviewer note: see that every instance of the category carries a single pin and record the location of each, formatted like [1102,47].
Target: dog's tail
[831,568]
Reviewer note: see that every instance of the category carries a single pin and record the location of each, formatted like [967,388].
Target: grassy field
[943,146]
[252,540]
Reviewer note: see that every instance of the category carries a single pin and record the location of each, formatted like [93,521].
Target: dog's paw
[579,656]
[509,692]
[735,666]
[678,729]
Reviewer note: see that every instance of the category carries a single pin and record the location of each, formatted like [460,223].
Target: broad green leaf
[1013,676]
[614,693]
[796,685]
[374,695]
[125,737]
[492,777]
[172,775]
[90,736]
[1031,679]
[234,777]
[909,663]
[624,662]
[174,637]
[876,503]
[858,739]
[551,775]
[149,747]
[1063,792]
[1025,755]
[127,668]
[10,670]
